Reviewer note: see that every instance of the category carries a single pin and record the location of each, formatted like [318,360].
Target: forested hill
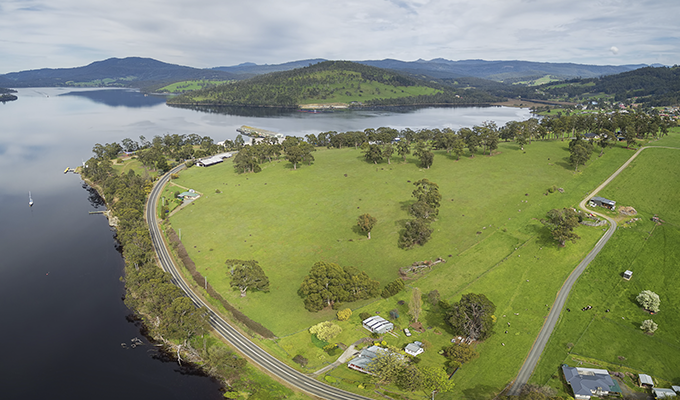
[656,86]
[117,72]
[332,82]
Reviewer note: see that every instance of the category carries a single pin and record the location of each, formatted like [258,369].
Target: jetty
[258,132]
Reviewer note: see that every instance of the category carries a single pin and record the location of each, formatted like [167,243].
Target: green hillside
[331,82]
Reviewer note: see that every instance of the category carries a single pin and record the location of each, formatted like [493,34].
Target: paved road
[246,347]
[549,324]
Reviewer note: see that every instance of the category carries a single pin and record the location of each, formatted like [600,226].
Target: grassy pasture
[287,220]
[187,86]
[650,184]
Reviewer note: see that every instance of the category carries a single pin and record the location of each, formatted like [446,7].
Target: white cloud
[206,33]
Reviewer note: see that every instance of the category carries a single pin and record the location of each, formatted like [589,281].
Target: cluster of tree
[326,80]
[155,154]
[392,288]
[249,158]
[473,316]
[392,367]
[425,210]
[329,285]
[150,293]
[656,86]
[561,224]
[247,274]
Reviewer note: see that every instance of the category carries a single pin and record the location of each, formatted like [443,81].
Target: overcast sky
[207,33]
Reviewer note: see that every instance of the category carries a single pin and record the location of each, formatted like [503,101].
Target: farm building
[588,382]
[602,202]
[646,381]
[660,393]
[361,362]
[377,324]
[627,275]
[676,389]
[414,348]
[212,160]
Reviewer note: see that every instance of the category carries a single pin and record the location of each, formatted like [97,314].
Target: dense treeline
[322,81]
[655,86]
[166,311]
[6,94]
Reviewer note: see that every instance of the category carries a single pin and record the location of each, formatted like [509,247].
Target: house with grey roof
[587,382]
[363,360]
[414,348]
[377,324]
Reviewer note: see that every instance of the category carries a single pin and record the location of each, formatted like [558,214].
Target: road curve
[249,349]
[550,322]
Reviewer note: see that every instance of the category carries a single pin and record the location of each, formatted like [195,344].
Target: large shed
[646,381]
[378,324]
[660,393]
[602,202]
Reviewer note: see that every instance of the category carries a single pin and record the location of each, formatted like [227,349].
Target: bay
[64,320]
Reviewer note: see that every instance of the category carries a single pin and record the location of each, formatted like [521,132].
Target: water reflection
[119,98]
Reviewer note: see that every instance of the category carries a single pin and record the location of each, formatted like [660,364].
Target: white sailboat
[30,199]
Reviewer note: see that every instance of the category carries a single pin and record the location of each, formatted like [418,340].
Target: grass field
[488,230]
[652,252]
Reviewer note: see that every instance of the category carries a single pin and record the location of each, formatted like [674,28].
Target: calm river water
[63,319]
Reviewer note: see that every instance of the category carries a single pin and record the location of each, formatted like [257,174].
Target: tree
[366,223]
[294,154]
[436,380]
[427,192]
[373,154]
[561,224]
[415,305]
[409,378]
[325,330]
[247,275]
[403,149]
[649,300]
[579,152]
[388,151]
[416,232]
[460,352]
[246,160]
[472,316]
[344,315]
[424,154]
[649,326]
[386,366]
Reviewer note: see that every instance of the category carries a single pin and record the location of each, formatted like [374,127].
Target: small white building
[377,324]
[627,275]
[414,349]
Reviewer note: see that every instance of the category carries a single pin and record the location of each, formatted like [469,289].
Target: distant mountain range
[147,73]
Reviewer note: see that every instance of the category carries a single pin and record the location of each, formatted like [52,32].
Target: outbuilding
[660,393]
[414,349]
[377,324]
[602,202]
[646,381]
[627,275]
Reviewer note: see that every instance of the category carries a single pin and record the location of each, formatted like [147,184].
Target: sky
[208,33]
